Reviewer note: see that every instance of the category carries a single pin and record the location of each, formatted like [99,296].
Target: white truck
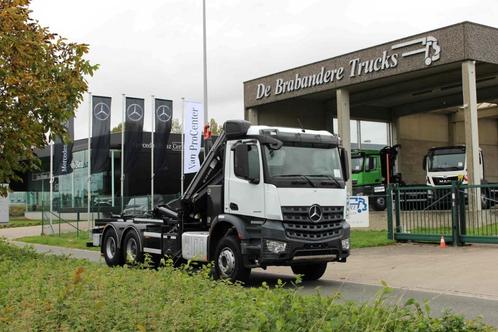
[263,196]
[446,164]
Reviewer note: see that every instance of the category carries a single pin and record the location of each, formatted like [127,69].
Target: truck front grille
[438,181]
[298,225]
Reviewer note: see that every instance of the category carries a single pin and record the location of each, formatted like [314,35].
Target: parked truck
[372,171]
[447,164]
[263,196]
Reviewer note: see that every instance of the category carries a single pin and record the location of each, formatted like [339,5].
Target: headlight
[345,244]
[275,247]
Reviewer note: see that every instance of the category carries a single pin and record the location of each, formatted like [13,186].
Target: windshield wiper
[297,175]
[331,178]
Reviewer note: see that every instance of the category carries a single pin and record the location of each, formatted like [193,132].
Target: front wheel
[228,262]
[310,271]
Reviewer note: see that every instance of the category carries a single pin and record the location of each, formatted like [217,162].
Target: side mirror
[424,163]
[344,163]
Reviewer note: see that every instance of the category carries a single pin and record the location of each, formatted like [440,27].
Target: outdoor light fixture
[345,244]
[275,247]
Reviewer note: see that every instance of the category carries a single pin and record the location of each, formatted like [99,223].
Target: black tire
[132,249]
[379,203]
[110,249]
[310,271]
[228,262]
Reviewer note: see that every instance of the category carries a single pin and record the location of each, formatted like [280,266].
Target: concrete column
[452,128]
[343,122]
[471,129]
[252,116]
[395,131]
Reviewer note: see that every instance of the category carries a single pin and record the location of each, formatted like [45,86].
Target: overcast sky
[155,47]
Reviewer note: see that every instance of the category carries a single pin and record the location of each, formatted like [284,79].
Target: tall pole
[89,161]
[51,181]
[183,126]
[152,129]
[113,191]
[206,120]
[123,119]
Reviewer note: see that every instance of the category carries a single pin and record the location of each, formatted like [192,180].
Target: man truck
[447,164]
[263,196]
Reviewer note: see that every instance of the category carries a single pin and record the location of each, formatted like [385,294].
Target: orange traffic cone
[442,243]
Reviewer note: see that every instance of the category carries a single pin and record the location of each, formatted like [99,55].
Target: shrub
[40,292]
[17,210]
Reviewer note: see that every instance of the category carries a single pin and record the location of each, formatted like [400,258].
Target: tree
[42,81]
[176,128]
[118,128]
[214,127]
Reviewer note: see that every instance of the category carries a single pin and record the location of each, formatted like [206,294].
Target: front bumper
[297,251]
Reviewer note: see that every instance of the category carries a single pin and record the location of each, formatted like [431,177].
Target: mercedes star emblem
[315,213]
[135,112]
[101,111]
[162,113]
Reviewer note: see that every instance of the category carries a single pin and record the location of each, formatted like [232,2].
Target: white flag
[193,122]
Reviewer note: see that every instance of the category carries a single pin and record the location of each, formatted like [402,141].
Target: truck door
[244,179]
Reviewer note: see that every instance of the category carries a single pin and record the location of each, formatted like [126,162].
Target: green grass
[485,230]
[20,222]
[53,293]
[363,239]
[68,240]
[359,239]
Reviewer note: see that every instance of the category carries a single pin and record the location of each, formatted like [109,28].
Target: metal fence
[460,213]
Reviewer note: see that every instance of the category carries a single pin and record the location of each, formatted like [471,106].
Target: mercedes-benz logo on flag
[101,111]
[163,113]
[315,213]
[135,112]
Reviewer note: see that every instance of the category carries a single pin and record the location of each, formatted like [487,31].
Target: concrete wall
[488,141]
[312,115]
[417,133]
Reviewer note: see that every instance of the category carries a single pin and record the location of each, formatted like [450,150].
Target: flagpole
[182,156]
[123,119]
[206,120]
[153,110]
[89,161]
[51,181]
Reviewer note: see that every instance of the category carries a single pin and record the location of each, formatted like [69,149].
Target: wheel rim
[226,262]
[131,249]
[110,247]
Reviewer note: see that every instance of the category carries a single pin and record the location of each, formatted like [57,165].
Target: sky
[154,47]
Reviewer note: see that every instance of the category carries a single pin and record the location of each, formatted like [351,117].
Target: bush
[47,293]
[16,210]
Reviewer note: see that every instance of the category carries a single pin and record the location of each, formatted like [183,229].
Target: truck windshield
[304,166]
[447,162]
[357,164]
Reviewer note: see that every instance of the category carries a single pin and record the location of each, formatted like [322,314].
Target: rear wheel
[132,250]
[228,262]
[110,249]
[310,271]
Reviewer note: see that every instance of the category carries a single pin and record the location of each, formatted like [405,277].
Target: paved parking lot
[468,271]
